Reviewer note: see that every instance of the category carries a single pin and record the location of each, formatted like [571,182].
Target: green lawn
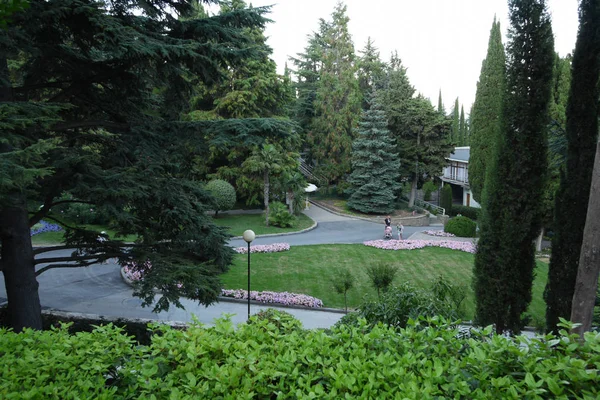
[53,238]
[239,223]
[309,270]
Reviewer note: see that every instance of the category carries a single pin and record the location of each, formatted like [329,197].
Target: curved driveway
[99,289]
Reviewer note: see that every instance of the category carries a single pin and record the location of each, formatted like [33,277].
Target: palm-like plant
[294,183]
[265,161]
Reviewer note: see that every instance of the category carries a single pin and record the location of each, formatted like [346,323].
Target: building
[456,174]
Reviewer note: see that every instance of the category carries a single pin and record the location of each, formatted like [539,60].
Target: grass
[53,238]
[310,270]
[239,223]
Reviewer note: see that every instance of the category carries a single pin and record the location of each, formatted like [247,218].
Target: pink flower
[275,297]
[264,248]
[419,244]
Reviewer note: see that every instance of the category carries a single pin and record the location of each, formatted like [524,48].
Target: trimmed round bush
[461,226]
[223,193]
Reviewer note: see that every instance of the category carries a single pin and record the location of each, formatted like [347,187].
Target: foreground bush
[461,227]
[272,358]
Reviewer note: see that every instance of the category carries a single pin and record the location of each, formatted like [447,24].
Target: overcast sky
[441,42]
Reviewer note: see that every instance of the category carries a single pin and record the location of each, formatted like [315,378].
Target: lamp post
[249,237]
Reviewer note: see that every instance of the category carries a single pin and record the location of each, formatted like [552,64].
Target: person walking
[388,221]
[400,230]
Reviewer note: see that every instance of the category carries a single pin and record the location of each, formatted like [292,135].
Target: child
[400,230]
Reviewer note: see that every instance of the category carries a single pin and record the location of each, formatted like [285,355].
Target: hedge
[273,357]
[461,226]
[470,212]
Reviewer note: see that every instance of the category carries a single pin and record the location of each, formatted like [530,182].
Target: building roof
[460,154]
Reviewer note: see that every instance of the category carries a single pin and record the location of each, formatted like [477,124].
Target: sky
[441,42]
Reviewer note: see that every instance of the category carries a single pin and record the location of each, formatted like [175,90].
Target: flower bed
[290,299]
[44,226]
[419,244]
[264,248]
[439,233]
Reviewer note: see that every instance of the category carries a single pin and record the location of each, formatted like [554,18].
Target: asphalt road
[99,289]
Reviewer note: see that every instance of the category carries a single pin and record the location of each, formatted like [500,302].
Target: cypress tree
[485,115]
[375,164]
[455,132]
[440,107]
[574,191]
[462,128]
[446,199]
[511,214]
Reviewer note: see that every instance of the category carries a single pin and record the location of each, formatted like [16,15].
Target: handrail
[425,204]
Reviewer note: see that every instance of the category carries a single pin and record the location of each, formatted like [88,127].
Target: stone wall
[417,220]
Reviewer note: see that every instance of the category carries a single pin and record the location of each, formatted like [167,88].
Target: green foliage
[512,213]
[381,275]
[284,322]
[446,199]
[470,212]
[487,108]
[574,191]
[453,294]
[429,187]
[342,282]
[223,193]
[402,303]
[371,71]
[337,102]
[455,132]
[461,227]
[270,358]
[279,215]
[375,163]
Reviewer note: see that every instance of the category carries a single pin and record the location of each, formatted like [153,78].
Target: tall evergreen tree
[462,128]
[485,117]
[440,107]
[455,133]
[375,164]
[511,215]
[338,101]
[92,112]
[574,192]
[371,71]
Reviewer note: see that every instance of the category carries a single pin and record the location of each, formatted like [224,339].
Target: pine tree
[338,101]
[455,133]
[511,215]
[92,112]
[487,108]
[462,128]
[574,192]
[440,107]
[370,72]
[375,164]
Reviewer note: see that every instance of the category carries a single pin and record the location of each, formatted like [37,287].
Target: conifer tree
[574,191]
[485,117]
[440,107]
[511,213]
[462,128]
[455,133]
[370,72]
[91,111]
[375,164]
[337,101]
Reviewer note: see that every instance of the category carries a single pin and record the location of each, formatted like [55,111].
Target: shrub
[223,194]
[428,188]
[283,321]
[271,358]
[381,275]
[280,216]
[342,282]
[81,213]
[469,212]
[446,199]
[453,294]
[461,226]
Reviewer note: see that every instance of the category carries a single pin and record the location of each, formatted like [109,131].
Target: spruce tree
[338,101]
[91,97]
[574,191]
[485,116]
[511,215]
[375,164]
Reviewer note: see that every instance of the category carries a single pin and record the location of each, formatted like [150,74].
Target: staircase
[308,172]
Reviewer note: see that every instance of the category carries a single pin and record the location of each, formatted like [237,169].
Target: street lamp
[249,237]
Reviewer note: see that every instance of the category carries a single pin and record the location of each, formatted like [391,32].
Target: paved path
[99,289]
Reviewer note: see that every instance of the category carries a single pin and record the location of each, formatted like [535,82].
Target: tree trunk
[290,198]
[413,191]
[538,241]
[266,195]
[23,310]
[582,310]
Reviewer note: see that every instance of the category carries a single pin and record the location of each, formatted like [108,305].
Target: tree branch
[77,258]
[52,266]
[90,124]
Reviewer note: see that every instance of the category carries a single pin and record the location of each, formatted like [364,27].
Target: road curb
[310,228]
[259,303]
